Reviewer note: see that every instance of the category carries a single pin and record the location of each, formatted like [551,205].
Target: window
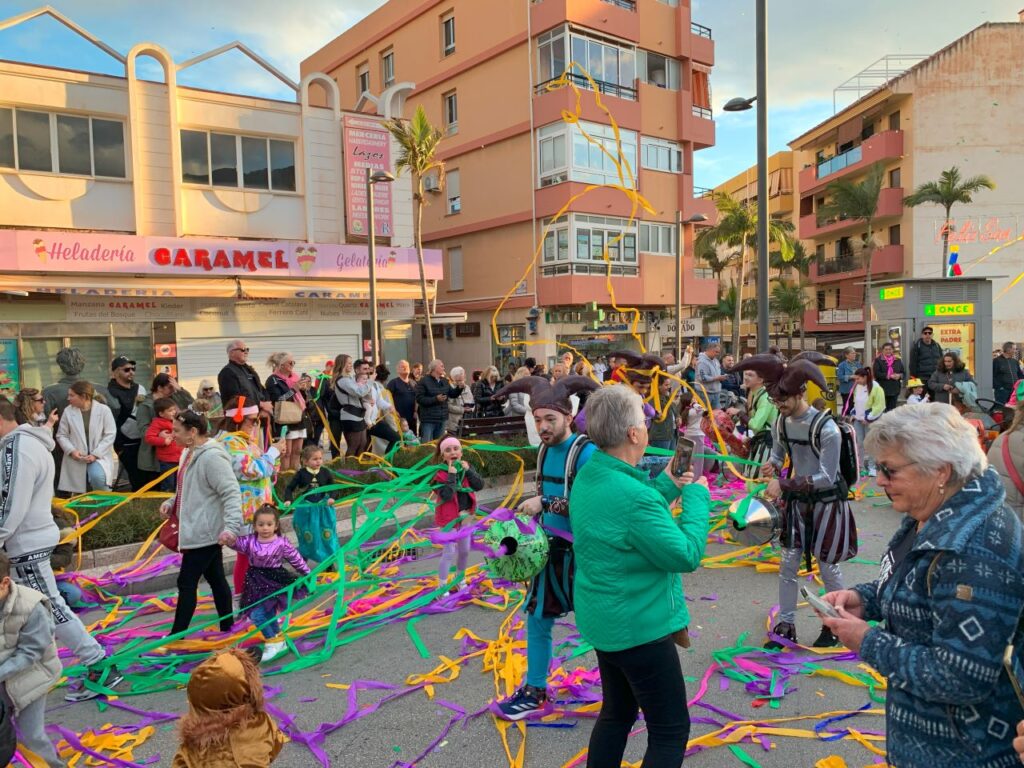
[613,68]
[895,178]
[595,234]
[213,159]
[69,144]
[819,252]
[551,50]
[448,36]
[363,78]
[453,197]
[551,154]
[455,282]
[894,234]
[576,244]
[660,155]
[658,70]
[556,241]
[566,154]
[894,121]
[450,101]
[821,301]
[387,67]
[658,238]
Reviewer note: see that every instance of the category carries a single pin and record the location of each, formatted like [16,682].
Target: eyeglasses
[890,472]
[240,349]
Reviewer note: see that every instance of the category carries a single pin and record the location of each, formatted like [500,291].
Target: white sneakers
[273,650]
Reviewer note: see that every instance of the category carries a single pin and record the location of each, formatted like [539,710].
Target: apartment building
[158,221]
[958,107]
[517,172]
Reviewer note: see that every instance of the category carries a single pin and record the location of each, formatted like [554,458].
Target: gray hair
[931,435]
[232,343]
[433,365]
[848,350]
[71,361]
[275,360]
[458,370]
[611,411]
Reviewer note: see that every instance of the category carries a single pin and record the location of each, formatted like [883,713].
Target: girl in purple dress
[268,551]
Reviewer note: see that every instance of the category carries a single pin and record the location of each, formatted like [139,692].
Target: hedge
[134,521]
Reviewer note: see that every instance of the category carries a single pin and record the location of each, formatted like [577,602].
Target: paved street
[725,603]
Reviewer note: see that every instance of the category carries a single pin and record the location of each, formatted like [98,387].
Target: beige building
[154,220]
[518,173]
[958,107]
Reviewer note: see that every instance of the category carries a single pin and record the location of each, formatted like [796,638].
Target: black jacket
[924,359]
[881,370]
[404,396]
[1005,373]
[125,397]
[236,380]
[431,410]
[483,396]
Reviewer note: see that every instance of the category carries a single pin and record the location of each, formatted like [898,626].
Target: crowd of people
[948,599]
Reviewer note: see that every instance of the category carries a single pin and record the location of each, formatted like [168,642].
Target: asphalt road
[725,603]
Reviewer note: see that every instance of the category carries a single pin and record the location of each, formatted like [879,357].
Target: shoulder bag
[287,412]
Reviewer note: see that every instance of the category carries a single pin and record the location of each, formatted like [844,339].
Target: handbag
[1011,468]
[168,535]
[287,413]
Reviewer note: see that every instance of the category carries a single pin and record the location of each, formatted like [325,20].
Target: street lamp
[739,104]
[374,177]
[695,219]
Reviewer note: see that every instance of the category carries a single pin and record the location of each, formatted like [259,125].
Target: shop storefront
[173,304]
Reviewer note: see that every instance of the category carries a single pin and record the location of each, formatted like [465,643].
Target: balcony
[629,5]
[887,145]
[886,260]
[613,17]
[702,46]
[612,89]
[890,204]
[834,320]
[698,125]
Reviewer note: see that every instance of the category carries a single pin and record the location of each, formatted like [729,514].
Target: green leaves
[949,190]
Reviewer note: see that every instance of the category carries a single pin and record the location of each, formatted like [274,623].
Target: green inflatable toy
[521,555]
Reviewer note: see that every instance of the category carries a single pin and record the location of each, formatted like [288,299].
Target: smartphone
[1014,680]
[284,432]
[818,604]
[685,449]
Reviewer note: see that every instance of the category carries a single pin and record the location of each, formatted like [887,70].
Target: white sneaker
[273,650]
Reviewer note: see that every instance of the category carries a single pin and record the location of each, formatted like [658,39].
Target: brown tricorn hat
[782,380]
[544,394]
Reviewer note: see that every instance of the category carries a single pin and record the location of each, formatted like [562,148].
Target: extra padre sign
[40,251]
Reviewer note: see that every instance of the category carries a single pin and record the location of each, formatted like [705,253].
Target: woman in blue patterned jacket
[949,595]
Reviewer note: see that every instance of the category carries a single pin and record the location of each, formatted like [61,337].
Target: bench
[491,426]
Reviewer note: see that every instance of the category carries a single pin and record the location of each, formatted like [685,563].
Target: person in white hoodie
[29,535]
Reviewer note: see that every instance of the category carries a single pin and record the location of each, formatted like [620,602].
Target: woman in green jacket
[628,592]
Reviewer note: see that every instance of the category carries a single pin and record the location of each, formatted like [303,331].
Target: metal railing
[703,192]
[629,5]
[612,89]
[839,162]
[700,30]
[703,112]
[844,263]
[703,273]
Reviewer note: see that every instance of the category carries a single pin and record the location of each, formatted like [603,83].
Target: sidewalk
[98,563]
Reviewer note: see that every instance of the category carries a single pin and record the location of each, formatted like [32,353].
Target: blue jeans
[714,399]
[431,431]
[265,619]
[96,477]
[169,483]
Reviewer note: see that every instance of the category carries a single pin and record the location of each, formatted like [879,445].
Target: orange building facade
[513,163]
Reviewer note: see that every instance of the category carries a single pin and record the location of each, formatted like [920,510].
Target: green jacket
[764,413]
[629,555]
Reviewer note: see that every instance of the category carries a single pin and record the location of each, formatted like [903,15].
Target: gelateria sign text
[62,252]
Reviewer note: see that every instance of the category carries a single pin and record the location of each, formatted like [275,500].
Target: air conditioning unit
[430,184]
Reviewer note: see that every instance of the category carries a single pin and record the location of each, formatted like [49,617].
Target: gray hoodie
[708,369]
[211,502]
[26,490]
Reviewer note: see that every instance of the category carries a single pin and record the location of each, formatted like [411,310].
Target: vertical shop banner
[10,382]
[367,144]
[959,338]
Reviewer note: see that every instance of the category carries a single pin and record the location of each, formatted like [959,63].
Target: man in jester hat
[560,455]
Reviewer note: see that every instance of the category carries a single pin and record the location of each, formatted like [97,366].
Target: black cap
[120,362]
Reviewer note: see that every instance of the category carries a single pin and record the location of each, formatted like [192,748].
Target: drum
[520,546]
[755,521]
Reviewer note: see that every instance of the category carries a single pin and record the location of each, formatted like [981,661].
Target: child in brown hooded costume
[226,726]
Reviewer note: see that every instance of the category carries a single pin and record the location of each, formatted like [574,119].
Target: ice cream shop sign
[47,252]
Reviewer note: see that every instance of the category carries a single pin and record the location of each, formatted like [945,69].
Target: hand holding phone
[825,609]
[685,448]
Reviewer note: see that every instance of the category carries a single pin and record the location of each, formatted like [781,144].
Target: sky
[813,46]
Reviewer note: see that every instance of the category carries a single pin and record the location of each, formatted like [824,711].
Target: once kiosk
[959,309]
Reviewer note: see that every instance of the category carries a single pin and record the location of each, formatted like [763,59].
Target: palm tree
[418,141]
[726,308]
[800,263]
[737,227]
[858,201]
[790,301]
[947,192]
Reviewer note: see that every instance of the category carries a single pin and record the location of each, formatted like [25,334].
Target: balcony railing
[629,5]
[703,192]
[834,316]
[837,163]
[700,30]
[613,89]
[703,273]
[572,268]
[703,112]
[843,263]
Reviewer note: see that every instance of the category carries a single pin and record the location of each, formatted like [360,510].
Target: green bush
[130,524]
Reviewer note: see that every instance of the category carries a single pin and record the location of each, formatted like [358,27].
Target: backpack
[575,450]
[849,457]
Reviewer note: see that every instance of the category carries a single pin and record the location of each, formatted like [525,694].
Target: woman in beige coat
[86,435]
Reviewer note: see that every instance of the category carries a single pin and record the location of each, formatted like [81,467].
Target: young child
[316,525]
[227,725]
[31,667]
[691,416]
[915,391]
[168,452]
[454,496]
[268,551]
[408,436]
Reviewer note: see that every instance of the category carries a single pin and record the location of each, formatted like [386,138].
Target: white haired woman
[459,406]
[283,386]
[950,592]
[484,392]
[628,594]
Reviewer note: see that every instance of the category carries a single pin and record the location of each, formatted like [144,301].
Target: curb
[105,560]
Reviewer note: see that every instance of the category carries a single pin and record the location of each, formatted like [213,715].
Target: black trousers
[891,401]
[129,458]
[649,678]
[386,432]
[206,563]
